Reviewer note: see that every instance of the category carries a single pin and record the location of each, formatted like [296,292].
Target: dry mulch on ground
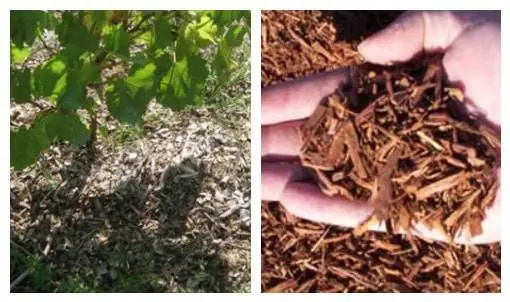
[164,207]
[303,256]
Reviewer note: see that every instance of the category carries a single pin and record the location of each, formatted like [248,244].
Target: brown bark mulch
[302,256]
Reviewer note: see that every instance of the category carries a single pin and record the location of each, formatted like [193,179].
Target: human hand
[471,43]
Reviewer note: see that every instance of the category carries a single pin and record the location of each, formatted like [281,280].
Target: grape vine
[125,58]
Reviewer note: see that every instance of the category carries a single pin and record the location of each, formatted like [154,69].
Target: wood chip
[352,142]
[440,185]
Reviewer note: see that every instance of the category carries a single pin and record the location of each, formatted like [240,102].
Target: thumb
[412,33]
[471,41]
[474,61]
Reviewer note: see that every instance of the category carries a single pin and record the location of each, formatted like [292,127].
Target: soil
[303,256]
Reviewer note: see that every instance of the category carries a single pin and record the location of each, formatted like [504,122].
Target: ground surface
[164,207]
[302,256]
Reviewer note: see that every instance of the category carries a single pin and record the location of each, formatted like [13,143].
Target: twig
[214,221]
[384,131]
[36,105]
[236,246]
[52,52]
[234,209]
[137,26]
[20,278]
[164,177]
[47,247]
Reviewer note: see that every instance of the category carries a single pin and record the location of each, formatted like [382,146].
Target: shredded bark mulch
[397,136]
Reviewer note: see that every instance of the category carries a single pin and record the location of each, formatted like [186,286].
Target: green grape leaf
[197,71]
[185,46]
[25,148]
[163,65]
[95,20]
[124,106]
[75,37]
[90,73]
[235,35]
[145,38]
[224,18]
[128,99]
[19,55]
[75,94]
[39,130]
[27,144]
[66,127]
[184,83]
[20,86]
[222,61]
[116,40]
[49,78]
[141,78]
[162,32]
[195,35]
[246,14]
[205,31]
[25,26]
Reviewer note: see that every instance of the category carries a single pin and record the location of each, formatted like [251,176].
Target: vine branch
[52,52]
[137,26]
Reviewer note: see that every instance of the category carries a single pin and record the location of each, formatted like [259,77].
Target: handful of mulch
[403,140]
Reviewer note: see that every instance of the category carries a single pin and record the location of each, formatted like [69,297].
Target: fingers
[411,34]
[472,41]
[307,201]
[276,176]
[478,67]
[281,140]
[283,182]
[298,99]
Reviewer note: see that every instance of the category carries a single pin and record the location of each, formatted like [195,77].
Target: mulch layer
[165,209]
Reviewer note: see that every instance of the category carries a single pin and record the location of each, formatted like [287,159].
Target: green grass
[75,284]
[52,182]
[39,278]
[235,92]
[123,135]
[43,278]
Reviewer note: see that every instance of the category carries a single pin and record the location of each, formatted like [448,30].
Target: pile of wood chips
[290,31]
[303,256]
[403,141]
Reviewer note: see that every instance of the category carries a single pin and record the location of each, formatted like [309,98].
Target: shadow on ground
[125,241]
